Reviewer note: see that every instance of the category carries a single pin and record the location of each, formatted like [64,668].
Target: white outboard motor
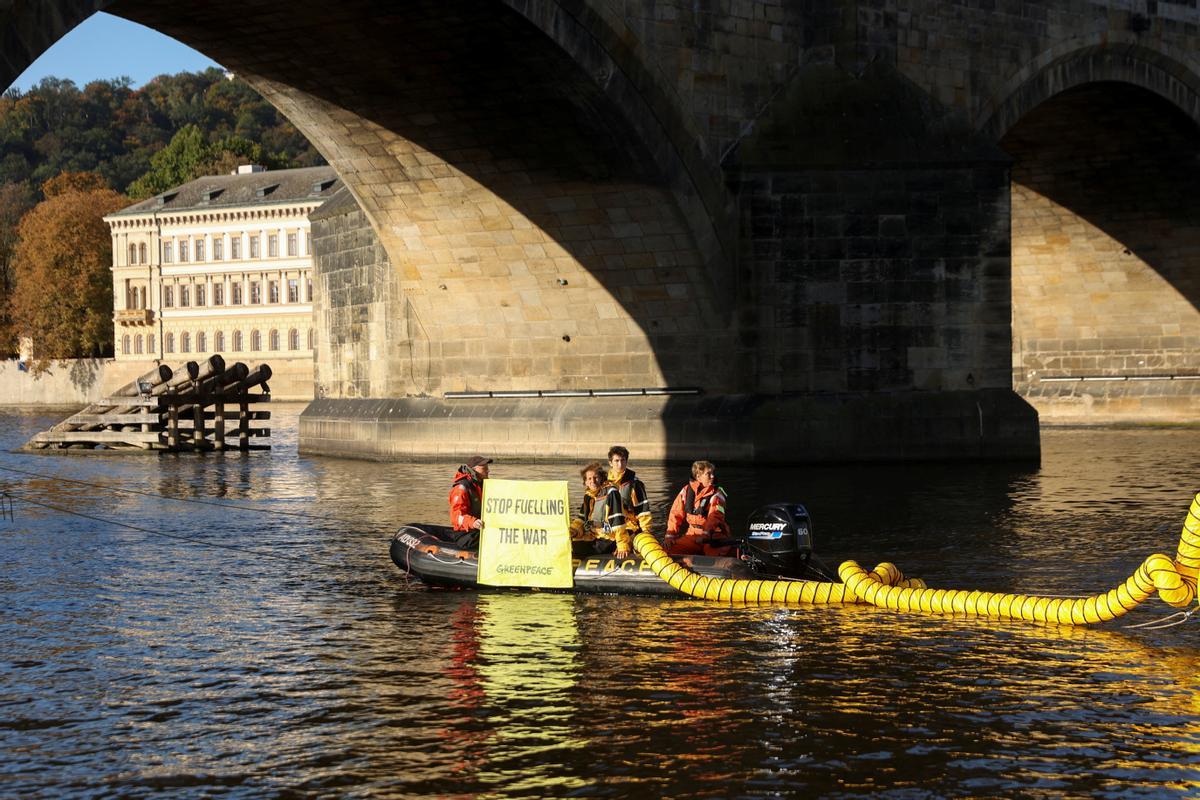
[778,540]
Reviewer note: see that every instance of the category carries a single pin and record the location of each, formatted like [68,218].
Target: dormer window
[264,191]
[320,186]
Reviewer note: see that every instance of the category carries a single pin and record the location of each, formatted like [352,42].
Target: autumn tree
[15,200]
[62,294]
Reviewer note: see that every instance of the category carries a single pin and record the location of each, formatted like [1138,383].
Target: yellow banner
[526,537]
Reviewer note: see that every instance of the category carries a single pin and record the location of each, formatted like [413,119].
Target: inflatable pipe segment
[885,587]
[731,590]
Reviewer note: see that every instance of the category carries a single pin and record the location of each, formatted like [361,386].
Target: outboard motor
[778,539]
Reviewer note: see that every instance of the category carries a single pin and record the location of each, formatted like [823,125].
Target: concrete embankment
[732,428]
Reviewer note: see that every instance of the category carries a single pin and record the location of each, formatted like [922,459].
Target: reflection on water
[283,654]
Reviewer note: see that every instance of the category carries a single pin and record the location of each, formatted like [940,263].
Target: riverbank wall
[81,381]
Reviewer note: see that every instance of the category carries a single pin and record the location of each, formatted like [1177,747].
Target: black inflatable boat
[777,543]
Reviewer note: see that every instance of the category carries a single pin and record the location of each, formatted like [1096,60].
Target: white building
[222,264]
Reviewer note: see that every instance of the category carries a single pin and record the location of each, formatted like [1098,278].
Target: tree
[62,297]
[114,130]
[73,182]
[189,156]
[15,200]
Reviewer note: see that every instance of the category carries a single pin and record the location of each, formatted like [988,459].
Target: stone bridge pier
[735,229]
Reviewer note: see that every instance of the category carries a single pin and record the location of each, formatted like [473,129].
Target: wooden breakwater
[200,406]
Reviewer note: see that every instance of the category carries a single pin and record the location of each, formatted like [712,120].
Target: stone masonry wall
[360,346]
[880,280]
[1106,255]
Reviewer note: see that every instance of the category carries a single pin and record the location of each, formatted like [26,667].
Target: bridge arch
[1105,142]
[1110,57]
[517,158]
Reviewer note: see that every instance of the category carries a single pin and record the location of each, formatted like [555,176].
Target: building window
[133,254]
[125,345]
[218,294]
[201,342]
[183,250]
[293,245]
[150,345]
[273,291]
[254,247]
[273,339]
[218,248]
[185,343]
[235,247]
[293,339]
[310,338]
[199,249]
[308,289]
[235,289]
[185,298]
[255,341]
[137,344]
[273,245]
[293,290]
[200,294]
[168,250]
[237,341]
[308,242]
[255,292]
[168,296]
[169,339]
[142,253]
[219,341]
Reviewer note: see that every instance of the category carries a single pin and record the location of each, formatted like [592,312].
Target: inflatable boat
[777,543]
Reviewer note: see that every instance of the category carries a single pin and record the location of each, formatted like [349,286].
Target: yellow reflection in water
[527,670]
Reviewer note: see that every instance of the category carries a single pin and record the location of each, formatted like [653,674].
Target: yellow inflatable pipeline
[885,587]
[731,590]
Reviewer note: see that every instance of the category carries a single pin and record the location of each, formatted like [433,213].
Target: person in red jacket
[697,516]
[466,498]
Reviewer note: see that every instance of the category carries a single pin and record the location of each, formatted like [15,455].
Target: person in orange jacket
[697,516]
[466,500]
[599,525]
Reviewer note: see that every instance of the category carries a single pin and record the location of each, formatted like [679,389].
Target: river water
[238,629]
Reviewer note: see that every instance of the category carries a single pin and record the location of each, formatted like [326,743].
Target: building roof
[250,189]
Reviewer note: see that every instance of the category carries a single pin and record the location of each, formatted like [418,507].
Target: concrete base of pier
[902,426]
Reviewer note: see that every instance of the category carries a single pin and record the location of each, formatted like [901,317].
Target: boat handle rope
[1174,580]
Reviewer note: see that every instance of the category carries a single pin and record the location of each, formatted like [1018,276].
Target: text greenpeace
[526,538]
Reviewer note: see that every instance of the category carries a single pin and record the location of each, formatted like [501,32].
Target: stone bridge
[862,229]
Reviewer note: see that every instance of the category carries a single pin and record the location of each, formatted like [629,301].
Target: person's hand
[478,525]
[669,539]
[621,553]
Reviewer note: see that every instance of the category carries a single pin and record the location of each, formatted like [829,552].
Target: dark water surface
[296,660]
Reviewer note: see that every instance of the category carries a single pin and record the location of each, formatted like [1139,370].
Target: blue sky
[104,46]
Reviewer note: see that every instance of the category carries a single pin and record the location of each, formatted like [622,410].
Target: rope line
[179,537]
[160,496]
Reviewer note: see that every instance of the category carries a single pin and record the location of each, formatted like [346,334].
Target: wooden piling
[171,410]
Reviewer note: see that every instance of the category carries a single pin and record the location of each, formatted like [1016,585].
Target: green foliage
[190,155]
[115,131]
